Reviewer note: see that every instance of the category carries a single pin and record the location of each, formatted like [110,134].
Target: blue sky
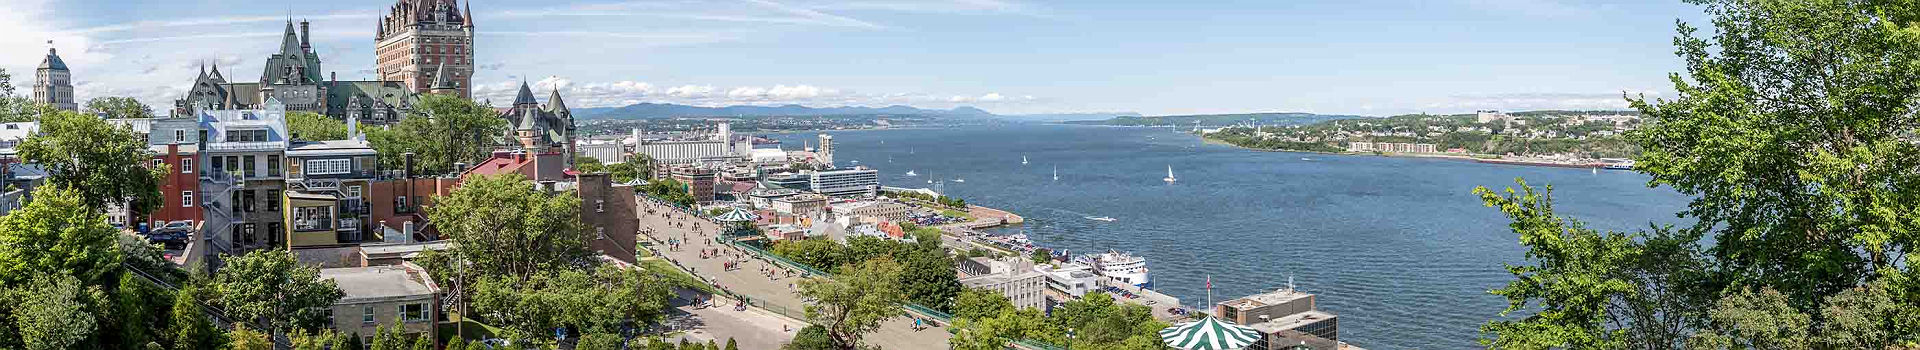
[1372,57]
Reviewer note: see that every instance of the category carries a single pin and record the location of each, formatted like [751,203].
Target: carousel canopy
[1208,334]
[737,215]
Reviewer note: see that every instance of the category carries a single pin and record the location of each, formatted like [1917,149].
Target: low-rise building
[1021,285]
[336,171]
[1288,318]
[804,204]
[886,210]
[607,210]
[1072,279]
[699,181]
[856,182]
[378,296]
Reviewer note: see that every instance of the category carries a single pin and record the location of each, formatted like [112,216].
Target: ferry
[1123,267]
[1101,218]
[1616,163]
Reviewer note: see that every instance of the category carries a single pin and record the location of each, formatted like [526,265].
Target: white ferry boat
[1122,267]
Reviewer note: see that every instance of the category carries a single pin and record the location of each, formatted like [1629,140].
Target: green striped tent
[1209,334]
[737,215]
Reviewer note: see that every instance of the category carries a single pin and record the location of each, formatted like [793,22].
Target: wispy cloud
[1534,101]
[822,17]
[216,21]
[626,92]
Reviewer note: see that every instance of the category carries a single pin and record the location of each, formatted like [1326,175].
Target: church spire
[526,95]
[554,104]
[466,16]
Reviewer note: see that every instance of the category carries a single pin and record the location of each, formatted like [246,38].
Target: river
[1399,248]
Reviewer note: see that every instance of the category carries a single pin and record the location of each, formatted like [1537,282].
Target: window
[329,166]
[415,312]
[186,165]
[400,205]
[186,199]
[366,315]
[599,205]
[247,164]
[179,135]
[273,165]
[313,218]
[353,191]
[158,162]
[600,232]
[273,200]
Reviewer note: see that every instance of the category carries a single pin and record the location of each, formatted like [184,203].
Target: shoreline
[1476,158]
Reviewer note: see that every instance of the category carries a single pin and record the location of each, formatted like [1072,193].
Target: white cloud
[1534,101]
[626,92]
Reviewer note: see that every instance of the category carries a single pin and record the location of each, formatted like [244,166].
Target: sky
[1365,57]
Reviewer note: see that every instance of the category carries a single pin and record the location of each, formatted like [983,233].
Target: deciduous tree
[52,314]
[856,301]
[506,227]
[57,233]
[273,287]
[118,108]
[107,164]
[443,130]
[315,127]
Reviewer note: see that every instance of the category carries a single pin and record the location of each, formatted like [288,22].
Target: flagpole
[1210,291]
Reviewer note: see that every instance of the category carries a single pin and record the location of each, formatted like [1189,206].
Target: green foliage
[638,166]
[813,337]
[303,340]
[507,227]
[856,301]
[55,233]
[670,190]
[597,301]
[248,339]
[599,341]
[106,163]
[51,315]
[441,130]
[140,311]
[273,287]
[928,278]
[390,337]
[951,202]
[589,165]
[1096,320]
[118,108]
[189,327]
[315,127]
[980,304]
[1040,255]
[731,345]
[423,342]
[927,273]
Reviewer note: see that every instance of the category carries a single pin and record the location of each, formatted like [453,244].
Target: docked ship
[1122,267]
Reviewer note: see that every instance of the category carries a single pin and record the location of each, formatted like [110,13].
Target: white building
[859,181]
[1014,279]
[1071,278]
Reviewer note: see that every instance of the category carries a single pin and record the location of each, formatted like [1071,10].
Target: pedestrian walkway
[661,223]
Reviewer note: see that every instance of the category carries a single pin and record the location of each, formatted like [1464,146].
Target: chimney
[303,35]
[406,164]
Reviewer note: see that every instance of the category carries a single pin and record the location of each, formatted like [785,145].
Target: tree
[980,304]
[390,337]
[57,234]
[507,227]
[190,327]
[52,315]
[928,278]
[597,301]
[137,316]
[248,339]
[315,127]
[443,130]
[856,301]
[599,341]
[1041,255]
[303,340]
[106,163]
[638,166]
[589,165]
[273,287]
[423,342]
[731,345]
[812,337]
[118,108]
[15,108]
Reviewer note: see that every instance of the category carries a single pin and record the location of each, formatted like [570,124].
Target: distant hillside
[1277,119]
[668,110]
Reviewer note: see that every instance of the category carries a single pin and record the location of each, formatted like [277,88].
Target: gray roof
[525,97]
[378,282]
[440,78]
[53,61]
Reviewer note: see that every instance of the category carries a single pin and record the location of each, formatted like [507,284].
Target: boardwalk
[664,223]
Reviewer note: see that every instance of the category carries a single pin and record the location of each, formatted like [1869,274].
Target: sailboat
[1596,170]
[911,173]
[929,178]
[1056,173]
[1169,178]
[959,180]
[1023,160]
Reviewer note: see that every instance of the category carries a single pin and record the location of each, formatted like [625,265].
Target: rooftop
[378,282]
[1276,297]
[1291,321]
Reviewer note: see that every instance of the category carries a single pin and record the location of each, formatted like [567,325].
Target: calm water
[1398,247]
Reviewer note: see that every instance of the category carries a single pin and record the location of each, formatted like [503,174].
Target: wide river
[1399,248]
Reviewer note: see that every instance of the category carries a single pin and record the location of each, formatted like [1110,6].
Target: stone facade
[293,77]
[418,35]
[53,83]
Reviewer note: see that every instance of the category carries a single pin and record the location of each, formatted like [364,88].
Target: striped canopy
[1208,334]
[737,215]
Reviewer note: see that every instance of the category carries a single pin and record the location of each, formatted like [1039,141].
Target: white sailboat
[1056,173]
[930,177]
[959,180]
[1023,160]
[1169,178]
[911,173]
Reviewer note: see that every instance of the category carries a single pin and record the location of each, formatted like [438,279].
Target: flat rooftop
[378,282]
[1292,321]
[1277,297]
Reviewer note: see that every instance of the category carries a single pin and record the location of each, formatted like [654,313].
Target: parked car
[172,234]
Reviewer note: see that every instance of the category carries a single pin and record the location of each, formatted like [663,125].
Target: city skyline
[1008,57]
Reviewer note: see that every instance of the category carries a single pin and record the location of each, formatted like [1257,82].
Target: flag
[1209,281]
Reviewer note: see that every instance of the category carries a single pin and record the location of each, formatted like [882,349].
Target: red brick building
[396,202]
[178,197]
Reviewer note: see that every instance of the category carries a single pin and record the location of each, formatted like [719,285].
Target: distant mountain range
[669,110]
[1215,120]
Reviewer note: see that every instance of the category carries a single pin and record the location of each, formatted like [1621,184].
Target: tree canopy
[441,130]
[856,301]
[118,108]
[315,127]
[507,227]
[273,287]
[107,164]
[1793,130]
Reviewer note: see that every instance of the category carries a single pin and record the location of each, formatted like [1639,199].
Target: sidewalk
[748,281]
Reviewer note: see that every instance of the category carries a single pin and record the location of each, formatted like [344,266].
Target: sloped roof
[53,61]
[392,93]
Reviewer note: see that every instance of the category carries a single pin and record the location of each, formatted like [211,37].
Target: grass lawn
[475,329]
[675,275]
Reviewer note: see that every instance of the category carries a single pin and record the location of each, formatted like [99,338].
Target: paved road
[665,223]
[751,329]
